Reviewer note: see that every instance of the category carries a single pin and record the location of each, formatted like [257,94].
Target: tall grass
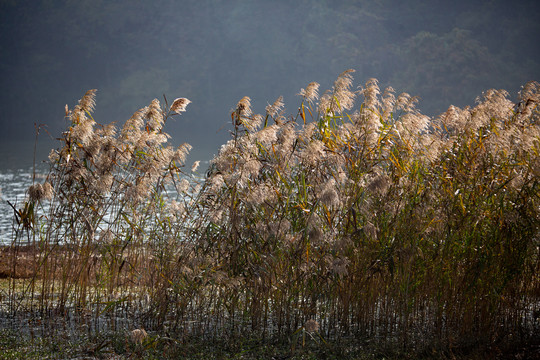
[358,216]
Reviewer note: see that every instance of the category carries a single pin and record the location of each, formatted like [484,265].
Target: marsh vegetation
[357,221]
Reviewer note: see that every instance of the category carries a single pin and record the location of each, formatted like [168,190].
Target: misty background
[214,52]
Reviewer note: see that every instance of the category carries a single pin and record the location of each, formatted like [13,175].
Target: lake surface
[16,169]
[13,186]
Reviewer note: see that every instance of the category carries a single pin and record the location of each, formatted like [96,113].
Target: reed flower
[378,183]
[275,108]
[154,116]
[316,235]
[252,167]
[88,101]
[138,336]
[139,191]
[268,135]
[371,93]
[53,156]
[36,192]
[216,183]
[177,209]
[243,107]
[311,326]
[339,265]
[455,119]
[83,131]
[243,115]
[329,196]
[311,93]
[341,97]
[183,186]
[342,90]
[181,153]
[388,102]
[286,144]
[313,152]
[260,194]
[413,124]
[406,102]
[131,131]
[179,105]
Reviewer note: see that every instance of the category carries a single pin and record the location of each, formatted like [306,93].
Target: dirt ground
[18,261]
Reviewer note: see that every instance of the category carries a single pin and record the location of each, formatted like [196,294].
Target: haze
[214,52]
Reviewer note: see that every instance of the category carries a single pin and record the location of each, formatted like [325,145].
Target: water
[16,169]
[13,186]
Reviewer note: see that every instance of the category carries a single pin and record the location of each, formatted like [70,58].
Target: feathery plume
[276,107]
[268,135]
[154,116]
[243,108]
[311,93]
[216,183]
[261,193]
[371,93]
[388,102]
[131,131]
[339,266]
[48,191]
[179,105]
[342,92]
[252,167]
[341,97]
[378,183]
[138,336]
[329,196]
[183,186]
[36,192]
[181,153]
[53,156]
[313,152]
[311,326]
[88,101]
[414,123]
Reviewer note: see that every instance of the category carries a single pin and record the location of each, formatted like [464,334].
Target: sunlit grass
[352,219]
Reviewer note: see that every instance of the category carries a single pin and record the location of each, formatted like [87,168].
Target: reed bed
[357,218]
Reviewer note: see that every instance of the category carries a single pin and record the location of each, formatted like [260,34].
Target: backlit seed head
[179,105]
[311,326]
[138,336]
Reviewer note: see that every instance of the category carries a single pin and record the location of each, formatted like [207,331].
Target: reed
[358,218]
